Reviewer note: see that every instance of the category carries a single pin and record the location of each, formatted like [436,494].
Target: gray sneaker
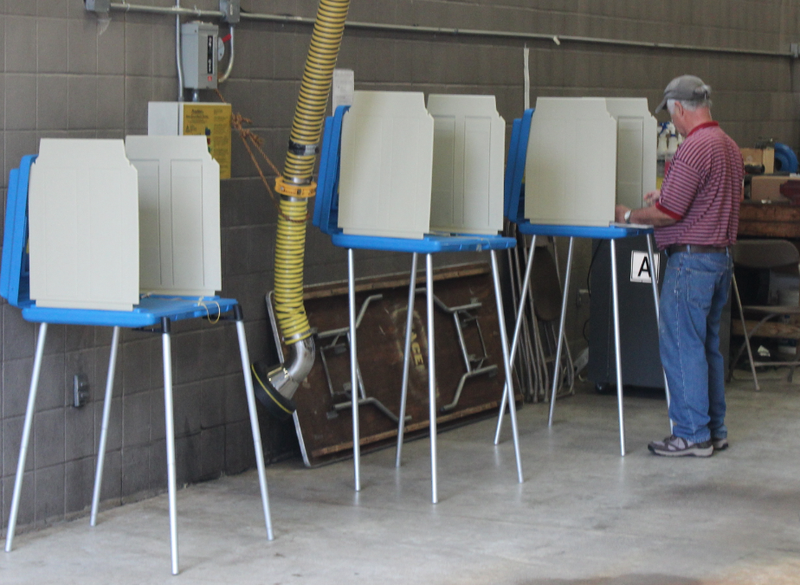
[719,444]
[674,446]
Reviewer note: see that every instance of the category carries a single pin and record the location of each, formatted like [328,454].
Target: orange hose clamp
[291,190]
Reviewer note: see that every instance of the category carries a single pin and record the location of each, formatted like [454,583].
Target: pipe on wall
[224,77]
[793,53]
[178,50]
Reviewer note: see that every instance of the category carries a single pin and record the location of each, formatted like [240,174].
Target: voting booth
[585,155]
[122,235]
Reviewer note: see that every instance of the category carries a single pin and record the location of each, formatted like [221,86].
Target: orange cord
[248,136]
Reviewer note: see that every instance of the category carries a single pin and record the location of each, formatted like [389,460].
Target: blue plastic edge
[611,232]
[327,219]
[508,179]
[516,202]
[429,244]
[14,283]
[322,181]
[148,312]
[8,235]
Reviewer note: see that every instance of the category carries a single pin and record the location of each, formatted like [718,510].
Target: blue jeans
[694,292]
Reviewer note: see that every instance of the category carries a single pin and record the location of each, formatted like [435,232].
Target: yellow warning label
[214,122]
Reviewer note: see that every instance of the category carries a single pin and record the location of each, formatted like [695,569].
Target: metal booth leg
[406,358]
[526,287]
[617,354]
[101,449]
[654,281]
[170,428]
[431,375]
[26,434]
[254,426]
[557,363]
[351,292]
[509,386]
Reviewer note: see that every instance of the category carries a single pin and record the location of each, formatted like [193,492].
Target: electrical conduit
[178,50]
[295,187]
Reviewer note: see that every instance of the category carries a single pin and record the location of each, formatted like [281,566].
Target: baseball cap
[685,87]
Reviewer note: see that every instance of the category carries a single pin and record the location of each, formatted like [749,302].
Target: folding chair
[326,212]
[764,255]
[153,313]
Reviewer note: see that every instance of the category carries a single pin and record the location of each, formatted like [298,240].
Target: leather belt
[696,249]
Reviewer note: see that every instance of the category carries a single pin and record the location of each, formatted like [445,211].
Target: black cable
[591,264]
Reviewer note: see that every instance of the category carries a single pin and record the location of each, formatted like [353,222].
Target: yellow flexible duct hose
[299,166]
[289,257]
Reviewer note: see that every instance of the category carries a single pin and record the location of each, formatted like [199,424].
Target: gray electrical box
[231,10]
[98,6]
[199,55]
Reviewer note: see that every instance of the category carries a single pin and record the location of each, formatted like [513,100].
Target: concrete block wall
[66,74]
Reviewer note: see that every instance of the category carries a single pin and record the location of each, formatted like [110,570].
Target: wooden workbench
[769,220]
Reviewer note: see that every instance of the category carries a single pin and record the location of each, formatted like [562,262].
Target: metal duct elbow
[276,388]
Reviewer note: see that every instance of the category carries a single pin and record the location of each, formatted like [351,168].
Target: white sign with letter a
[640,266]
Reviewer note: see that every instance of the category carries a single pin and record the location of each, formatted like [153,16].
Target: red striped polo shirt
[702,190]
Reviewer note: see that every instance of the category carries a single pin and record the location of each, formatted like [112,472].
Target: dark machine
[641,364]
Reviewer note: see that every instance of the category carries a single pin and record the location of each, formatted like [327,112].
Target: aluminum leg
[406,358]
[565,296]
[617,354]
[654,281]
[254,426]
[540,359]
[746,338]
[26,434]
[101,449]
[431,375]
[351,292]
[526,286]
[170,428]
[300,441]
[525,373]
[509,386]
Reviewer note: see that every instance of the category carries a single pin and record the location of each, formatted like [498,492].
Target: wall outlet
[80,390]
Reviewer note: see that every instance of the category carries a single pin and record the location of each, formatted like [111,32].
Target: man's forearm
[651,216]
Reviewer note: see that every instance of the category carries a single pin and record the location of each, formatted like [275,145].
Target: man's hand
[619,213]
[651,197]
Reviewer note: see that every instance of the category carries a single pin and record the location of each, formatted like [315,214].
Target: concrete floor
[584,516]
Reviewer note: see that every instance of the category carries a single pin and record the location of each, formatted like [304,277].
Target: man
[696,217]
